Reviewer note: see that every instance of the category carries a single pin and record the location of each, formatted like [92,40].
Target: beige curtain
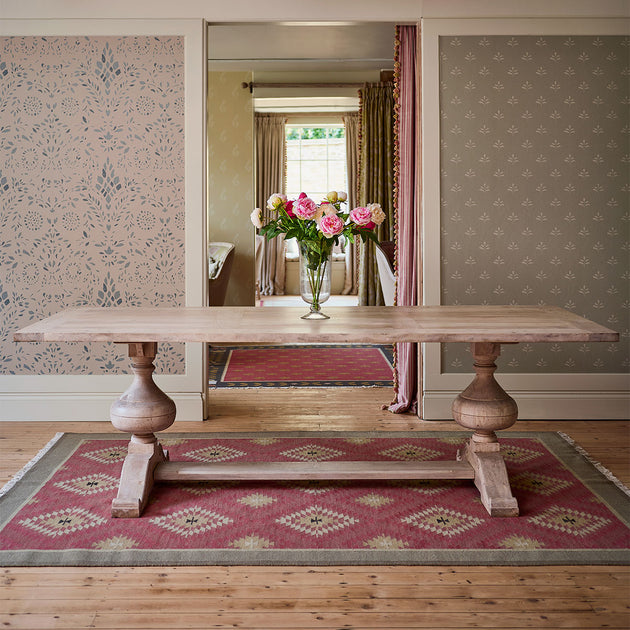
[270,178]
[351,124]
[376,179]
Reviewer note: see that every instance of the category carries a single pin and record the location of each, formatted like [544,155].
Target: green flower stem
[315,261]
[315,280]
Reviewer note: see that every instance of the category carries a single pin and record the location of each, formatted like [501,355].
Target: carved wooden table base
[145,409]
[483,407]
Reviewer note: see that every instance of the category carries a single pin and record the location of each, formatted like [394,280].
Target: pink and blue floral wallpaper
[91,190]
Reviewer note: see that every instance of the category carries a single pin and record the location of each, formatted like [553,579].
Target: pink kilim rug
[58,513]
[301,366]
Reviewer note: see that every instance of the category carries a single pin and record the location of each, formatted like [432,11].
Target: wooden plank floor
[315,597]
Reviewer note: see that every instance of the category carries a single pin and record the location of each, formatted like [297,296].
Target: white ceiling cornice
[306,10]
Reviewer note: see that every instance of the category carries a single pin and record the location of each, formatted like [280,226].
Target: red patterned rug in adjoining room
[58,511]
[301,366]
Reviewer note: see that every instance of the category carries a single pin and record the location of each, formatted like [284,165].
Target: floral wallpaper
[91,189]
[535,189]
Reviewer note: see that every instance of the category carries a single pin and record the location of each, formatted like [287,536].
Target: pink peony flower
[289,209]
[331,225]
[304,208]
[361,216]
[328,208]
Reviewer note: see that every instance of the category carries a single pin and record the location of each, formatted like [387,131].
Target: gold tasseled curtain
[351,124]
[376,179]
[270,178]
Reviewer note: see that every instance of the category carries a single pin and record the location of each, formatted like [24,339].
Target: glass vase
[315,271]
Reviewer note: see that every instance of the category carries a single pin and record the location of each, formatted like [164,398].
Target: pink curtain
[407,206]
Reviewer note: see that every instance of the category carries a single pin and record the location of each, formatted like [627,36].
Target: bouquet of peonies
[317,227]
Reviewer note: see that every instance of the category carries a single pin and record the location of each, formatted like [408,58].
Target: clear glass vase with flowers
[317,228]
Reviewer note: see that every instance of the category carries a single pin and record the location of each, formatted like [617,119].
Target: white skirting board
[85,406]
[549,405]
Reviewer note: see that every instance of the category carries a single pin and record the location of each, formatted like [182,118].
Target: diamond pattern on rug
[108,455]
[89,484]
[315,486]
[520,542]
[191,521]
[542,484]
[513,453]
[63,522]
[374,500]
[410,452]
[215,453]
[312,453]
[385,542]
[116,543]
[425,486]
[256,500]
[570,521]
[206,487]
[252,542]
[317,521]
[443,521]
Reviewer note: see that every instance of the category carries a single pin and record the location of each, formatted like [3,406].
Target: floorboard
[325,598]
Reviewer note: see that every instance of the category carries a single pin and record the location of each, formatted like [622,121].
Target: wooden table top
[347,324]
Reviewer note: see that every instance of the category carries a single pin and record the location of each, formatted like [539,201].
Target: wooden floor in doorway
[326,598]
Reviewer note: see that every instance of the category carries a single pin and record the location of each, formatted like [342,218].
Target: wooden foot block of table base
[491,478]
[136,479]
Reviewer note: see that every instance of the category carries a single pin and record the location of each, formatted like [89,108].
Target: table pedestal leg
[485,407]
[142,410]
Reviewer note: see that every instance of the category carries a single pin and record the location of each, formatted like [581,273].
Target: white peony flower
[275,201]
[342,196]
[378,216]
[256,217]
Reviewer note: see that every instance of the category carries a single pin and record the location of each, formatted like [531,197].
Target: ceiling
[304,46]
[302,54]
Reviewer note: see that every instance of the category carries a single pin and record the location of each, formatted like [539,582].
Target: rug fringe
[600,468]
[18,476]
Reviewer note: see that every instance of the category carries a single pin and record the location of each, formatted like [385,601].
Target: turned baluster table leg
[485,407]
[142,410]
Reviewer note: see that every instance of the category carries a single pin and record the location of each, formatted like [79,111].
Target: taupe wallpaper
[231,177]
[535,187]
[91,189]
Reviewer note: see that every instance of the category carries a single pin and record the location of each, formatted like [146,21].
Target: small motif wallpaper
[231,177]
[535,188]
[91,189]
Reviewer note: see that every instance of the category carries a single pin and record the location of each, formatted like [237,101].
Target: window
[316,163]
[316,160]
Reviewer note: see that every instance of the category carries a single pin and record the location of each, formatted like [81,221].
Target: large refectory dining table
[483,407]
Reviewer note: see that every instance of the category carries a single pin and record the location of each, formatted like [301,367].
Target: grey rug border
[610,490]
